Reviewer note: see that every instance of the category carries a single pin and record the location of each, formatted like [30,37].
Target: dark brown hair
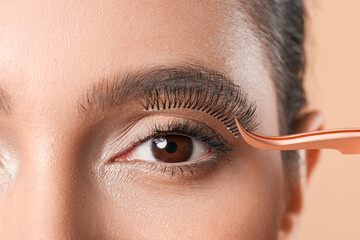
[280,27]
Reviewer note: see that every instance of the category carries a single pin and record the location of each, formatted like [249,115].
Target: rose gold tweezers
[347,141]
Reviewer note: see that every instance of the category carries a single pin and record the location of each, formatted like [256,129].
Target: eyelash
[207,97]
[219,149]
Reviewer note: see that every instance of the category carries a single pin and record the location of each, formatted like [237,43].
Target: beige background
[332,82]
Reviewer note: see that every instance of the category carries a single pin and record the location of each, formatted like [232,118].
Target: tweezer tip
[238,125]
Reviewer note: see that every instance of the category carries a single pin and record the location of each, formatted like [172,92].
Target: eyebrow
[187,85]
[5,104]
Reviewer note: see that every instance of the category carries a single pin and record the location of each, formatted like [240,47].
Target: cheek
[242,201]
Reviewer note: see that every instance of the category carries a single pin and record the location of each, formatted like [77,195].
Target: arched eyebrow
[187,85]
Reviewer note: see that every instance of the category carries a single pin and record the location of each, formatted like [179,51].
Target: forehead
[70,44]
[68,35]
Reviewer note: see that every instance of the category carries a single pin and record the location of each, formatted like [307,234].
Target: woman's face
[64,118]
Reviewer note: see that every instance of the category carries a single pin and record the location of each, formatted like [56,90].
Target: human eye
[178,149]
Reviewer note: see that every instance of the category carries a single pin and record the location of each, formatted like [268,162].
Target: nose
[47,199]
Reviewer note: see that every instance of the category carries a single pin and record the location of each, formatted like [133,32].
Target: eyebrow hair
[187,85]
[5,103]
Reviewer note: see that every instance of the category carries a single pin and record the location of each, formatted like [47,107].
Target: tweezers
[347,141]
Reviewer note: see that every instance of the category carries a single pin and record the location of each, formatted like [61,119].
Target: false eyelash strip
[200,91]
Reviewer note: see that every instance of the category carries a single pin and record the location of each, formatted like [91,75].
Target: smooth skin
[52,183]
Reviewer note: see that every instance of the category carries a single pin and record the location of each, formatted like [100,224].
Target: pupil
[171,147]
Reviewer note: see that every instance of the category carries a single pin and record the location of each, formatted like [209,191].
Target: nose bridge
[45,196]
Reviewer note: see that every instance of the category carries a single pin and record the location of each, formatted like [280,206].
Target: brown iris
[172,148]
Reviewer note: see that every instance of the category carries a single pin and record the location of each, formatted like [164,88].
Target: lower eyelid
[189,171]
